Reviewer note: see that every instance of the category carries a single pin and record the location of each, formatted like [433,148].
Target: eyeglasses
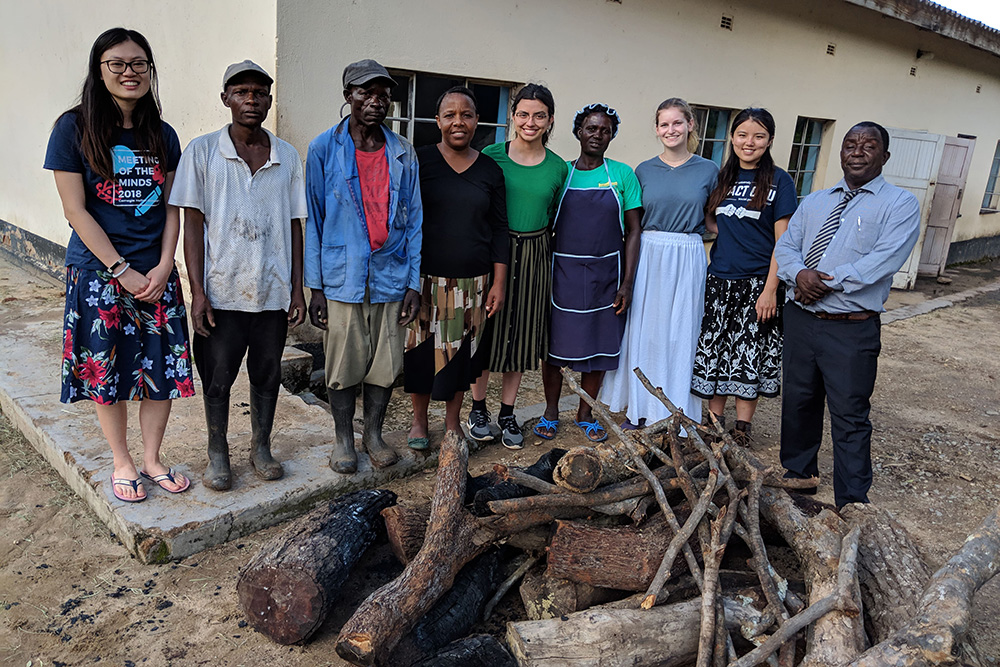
[119,66]
[539,116]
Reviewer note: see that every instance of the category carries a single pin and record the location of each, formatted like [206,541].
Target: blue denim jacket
[338,256]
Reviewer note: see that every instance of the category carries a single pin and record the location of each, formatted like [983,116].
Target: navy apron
[587,251]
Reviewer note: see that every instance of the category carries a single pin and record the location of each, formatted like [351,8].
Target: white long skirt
[662,327]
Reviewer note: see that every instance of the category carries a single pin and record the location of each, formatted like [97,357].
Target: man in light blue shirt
[838,257]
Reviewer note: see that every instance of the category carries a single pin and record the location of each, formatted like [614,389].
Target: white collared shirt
[248,238]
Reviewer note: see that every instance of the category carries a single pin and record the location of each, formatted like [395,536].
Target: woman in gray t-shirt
[661,333]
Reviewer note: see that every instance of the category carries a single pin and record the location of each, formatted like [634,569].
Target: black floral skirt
[737,355]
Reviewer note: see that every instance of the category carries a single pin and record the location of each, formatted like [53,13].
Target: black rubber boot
[262,408]
[218,475]
[343,458]
[376,400]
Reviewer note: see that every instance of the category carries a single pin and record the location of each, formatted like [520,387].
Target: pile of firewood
[621,552]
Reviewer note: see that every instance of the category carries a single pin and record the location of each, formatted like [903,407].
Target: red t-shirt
[373,171]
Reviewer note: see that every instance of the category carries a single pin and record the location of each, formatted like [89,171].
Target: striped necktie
[828,231]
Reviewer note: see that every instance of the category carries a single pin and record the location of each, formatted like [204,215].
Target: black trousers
[258,336]
[835,361]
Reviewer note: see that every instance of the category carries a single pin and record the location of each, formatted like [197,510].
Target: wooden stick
[689,487]
[706,636]
[846,572]
[847,579]
[680,538]
[507,584]
[690,425]
[522,478]
[781,482]
[609,494]
[639,465]
[760,561]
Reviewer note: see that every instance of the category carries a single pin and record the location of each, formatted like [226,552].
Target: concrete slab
[170,527]
[167,526]
[930,305]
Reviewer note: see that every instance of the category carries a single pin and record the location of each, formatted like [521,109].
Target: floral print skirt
[737,355]
[117,348]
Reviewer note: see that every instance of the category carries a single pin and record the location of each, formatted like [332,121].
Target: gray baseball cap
[363,71]
[245,66]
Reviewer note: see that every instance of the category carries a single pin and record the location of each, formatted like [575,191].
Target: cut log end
[579,470]
[356,649]
[264,595]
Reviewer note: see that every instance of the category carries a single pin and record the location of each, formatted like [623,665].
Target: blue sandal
[593,430]
[135,485]
[419,444]
[549,428]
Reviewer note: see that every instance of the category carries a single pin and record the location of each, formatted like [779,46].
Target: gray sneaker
[479,425]
[511,438]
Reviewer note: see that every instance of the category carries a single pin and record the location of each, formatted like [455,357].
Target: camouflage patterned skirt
[446,348]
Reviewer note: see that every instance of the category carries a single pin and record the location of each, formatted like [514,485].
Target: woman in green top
[534,177]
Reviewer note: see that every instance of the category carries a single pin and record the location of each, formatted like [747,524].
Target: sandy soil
[70,594]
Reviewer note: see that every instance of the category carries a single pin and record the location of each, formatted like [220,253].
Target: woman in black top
[464,251]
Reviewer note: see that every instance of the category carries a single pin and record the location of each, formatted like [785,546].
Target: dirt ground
[70,594]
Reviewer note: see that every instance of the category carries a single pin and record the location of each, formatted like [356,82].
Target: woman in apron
[595,251]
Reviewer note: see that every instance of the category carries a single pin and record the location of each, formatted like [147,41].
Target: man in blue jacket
[362,258]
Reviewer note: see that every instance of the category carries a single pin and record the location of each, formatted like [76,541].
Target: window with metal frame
[414,100]
[713,130]
[991,200]
[804,159]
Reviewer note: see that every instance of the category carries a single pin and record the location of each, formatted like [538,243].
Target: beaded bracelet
[122,270]
[121,260]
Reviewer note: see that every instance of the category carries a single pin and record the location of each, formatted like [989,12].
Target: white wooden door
[947,201]
[913,163]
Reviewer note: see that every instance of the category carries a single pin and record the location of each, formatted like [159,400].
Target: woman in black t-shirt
[739,349]
[464,252]
[125,333]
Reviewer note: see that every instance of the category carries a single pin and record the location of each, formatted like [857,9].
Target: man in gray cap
[243,194]
[362,258]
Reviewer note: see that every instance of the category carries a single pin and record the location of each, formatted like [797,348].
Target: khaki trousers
[363,342]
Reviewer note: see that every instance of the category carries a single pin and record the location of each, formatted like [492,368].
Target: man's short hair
[867,124]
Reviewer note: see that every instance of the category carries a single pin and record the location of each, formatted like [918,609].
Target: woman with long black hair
[124,333]
[739,350]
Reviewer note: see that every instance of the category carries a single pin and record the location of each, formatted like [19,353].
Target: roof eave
[941,20]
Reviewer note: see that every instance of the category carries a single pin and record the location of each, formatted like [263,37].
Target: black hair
[536,91]
[867,124]
[764,173]
[458,90]
[98,114]
[590,109]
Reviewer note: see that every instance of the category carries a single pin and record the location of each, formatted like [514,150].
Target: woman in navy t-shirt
[124,332]
[739,350]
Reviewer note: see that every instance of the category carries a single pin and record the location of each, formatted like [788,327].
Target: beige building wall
[635,53]
[44,48]
[630,54]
